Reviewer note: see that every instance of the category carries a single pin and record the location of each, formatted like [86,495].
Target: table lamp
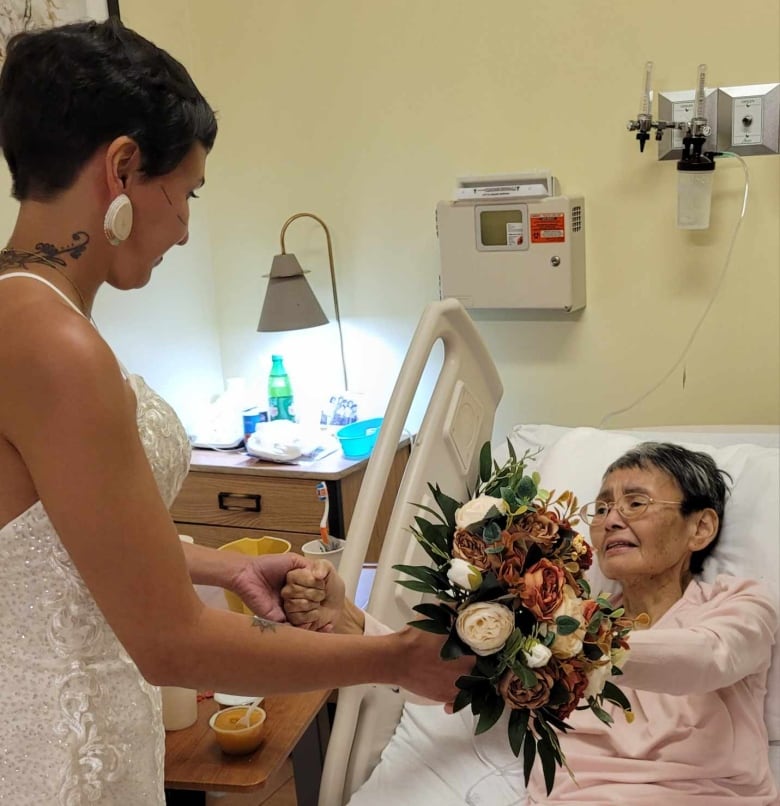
[289,302]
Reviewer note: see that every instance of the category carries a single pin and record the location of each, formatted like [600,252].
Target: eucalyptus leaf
[526,489]
[491,533]
[566,625]
[595,623]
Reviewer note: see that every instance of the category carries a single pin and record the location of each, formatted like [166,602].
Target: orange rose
[541,589]
[574,678]
[511,574]
[471,548]
[539,529]
[516,695]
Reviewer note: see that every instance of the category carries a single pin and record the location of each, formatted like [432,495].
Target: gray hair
[702,482]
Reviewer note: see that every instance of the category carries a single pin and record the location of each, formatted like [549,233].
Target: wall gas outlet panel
[513,253]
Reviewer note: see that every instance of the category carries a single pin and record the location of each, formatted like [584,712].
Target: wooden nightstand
[231,495]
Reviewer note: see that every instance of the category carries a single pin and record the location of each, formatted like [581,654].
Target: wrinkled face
[658,542]
[161,215]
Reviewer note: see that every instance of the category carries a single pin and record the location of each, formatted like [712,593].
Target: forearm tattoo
[264,624]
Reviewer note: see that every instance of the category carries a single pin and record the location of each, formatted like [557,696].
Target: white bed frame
[459,420]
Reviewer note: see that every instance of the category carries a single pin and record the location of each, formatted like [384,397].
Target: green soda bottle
[280,396]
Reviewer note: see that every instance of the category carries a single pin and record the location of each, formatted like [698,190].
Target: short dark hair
[66,91]
[702,482]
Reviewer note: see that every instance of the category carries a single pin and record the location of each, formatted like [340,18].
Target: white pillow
[749,544]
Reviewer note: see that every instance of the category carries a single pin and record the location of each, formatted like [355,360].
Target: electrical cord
[607,417]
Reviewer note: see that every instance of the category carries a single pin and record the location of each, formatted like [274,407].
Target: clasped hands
[310,594]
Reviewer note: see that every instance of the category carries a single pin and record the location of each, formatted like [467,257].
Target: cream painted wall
[365,112]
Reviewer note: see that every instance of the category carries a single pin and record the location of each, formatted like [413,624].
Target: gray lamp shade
[289,303]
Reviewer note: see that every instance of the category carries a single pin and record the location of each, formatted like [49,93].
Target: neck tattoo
[48,255]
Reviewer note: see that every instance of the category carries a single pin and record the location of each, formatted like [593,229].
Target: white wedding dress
[78,722]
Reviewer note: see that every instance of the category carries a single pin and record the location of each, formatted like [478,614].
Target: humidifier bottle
[694,192]
[280,396]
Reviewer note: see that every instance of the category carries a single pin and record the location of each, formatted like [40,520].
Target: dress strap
[45,282]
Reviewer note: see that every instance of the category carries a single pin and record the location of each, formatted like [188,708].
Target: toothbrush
[322,494]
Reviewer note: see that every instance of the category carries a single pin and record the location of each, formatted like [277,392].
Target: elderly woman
[696,676]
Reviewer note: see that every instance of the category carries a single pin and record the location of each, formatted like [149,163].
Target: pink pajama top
[696,680]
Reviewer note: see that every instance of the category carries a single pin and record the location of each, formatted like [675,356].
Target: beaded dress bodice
[78,722]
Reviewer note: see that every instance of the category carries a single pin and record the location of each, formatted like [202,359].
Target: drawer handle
[225,498]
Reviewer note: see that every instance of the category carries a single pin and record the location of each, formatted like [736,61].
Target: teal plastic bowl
[358,439]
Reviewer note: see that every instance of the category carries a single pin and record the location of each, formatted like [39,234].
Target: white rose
[485,626]
[464,575]
[537,655]
[477,509]
[597,676]
[567,646]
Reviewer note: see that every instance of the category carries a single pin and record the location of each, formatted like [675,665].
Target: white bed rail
[458,421]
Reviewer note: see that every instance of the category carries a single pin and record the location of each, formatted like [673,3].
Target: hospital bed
[458,420]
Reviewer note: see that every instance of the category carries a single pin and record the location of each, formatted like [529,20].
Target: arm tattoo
[264,624]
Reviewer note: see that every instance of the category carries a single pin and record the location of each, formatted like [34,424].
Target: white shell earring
[118,222]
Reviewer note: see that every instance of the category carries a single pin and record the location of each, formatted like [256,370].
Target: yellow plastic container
[253,546]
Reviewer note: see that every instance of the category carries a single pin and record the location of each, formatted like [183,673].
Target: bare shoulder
[54,365]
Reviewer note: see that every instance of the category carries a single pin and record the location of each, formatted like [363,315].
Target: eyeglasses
[630,507]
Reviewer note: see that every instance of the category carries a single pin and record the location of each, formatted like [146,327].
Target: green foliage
[566,625]
[613,694]
[428,625]
[485,462]
[490,713]
[518,723]
[446,504]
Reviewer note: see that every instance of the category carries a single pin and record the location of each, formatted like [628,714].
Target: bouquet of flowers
[508,571]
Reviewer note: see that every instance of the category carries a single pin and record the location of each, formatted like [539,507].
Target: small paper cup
[315,550]
[237,741]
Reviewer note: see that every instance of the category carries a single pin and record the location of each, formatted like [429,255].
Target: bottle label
[281,408]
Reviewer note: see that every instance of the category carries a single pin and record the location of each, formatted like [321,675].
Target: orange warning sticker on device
[547,228]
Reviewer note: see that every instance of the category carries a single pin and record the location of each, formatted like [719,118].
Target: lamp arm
[332,279]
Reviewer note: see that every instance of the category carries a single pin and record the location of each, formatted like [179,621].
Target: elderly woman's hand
[259,581]
[313,597]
